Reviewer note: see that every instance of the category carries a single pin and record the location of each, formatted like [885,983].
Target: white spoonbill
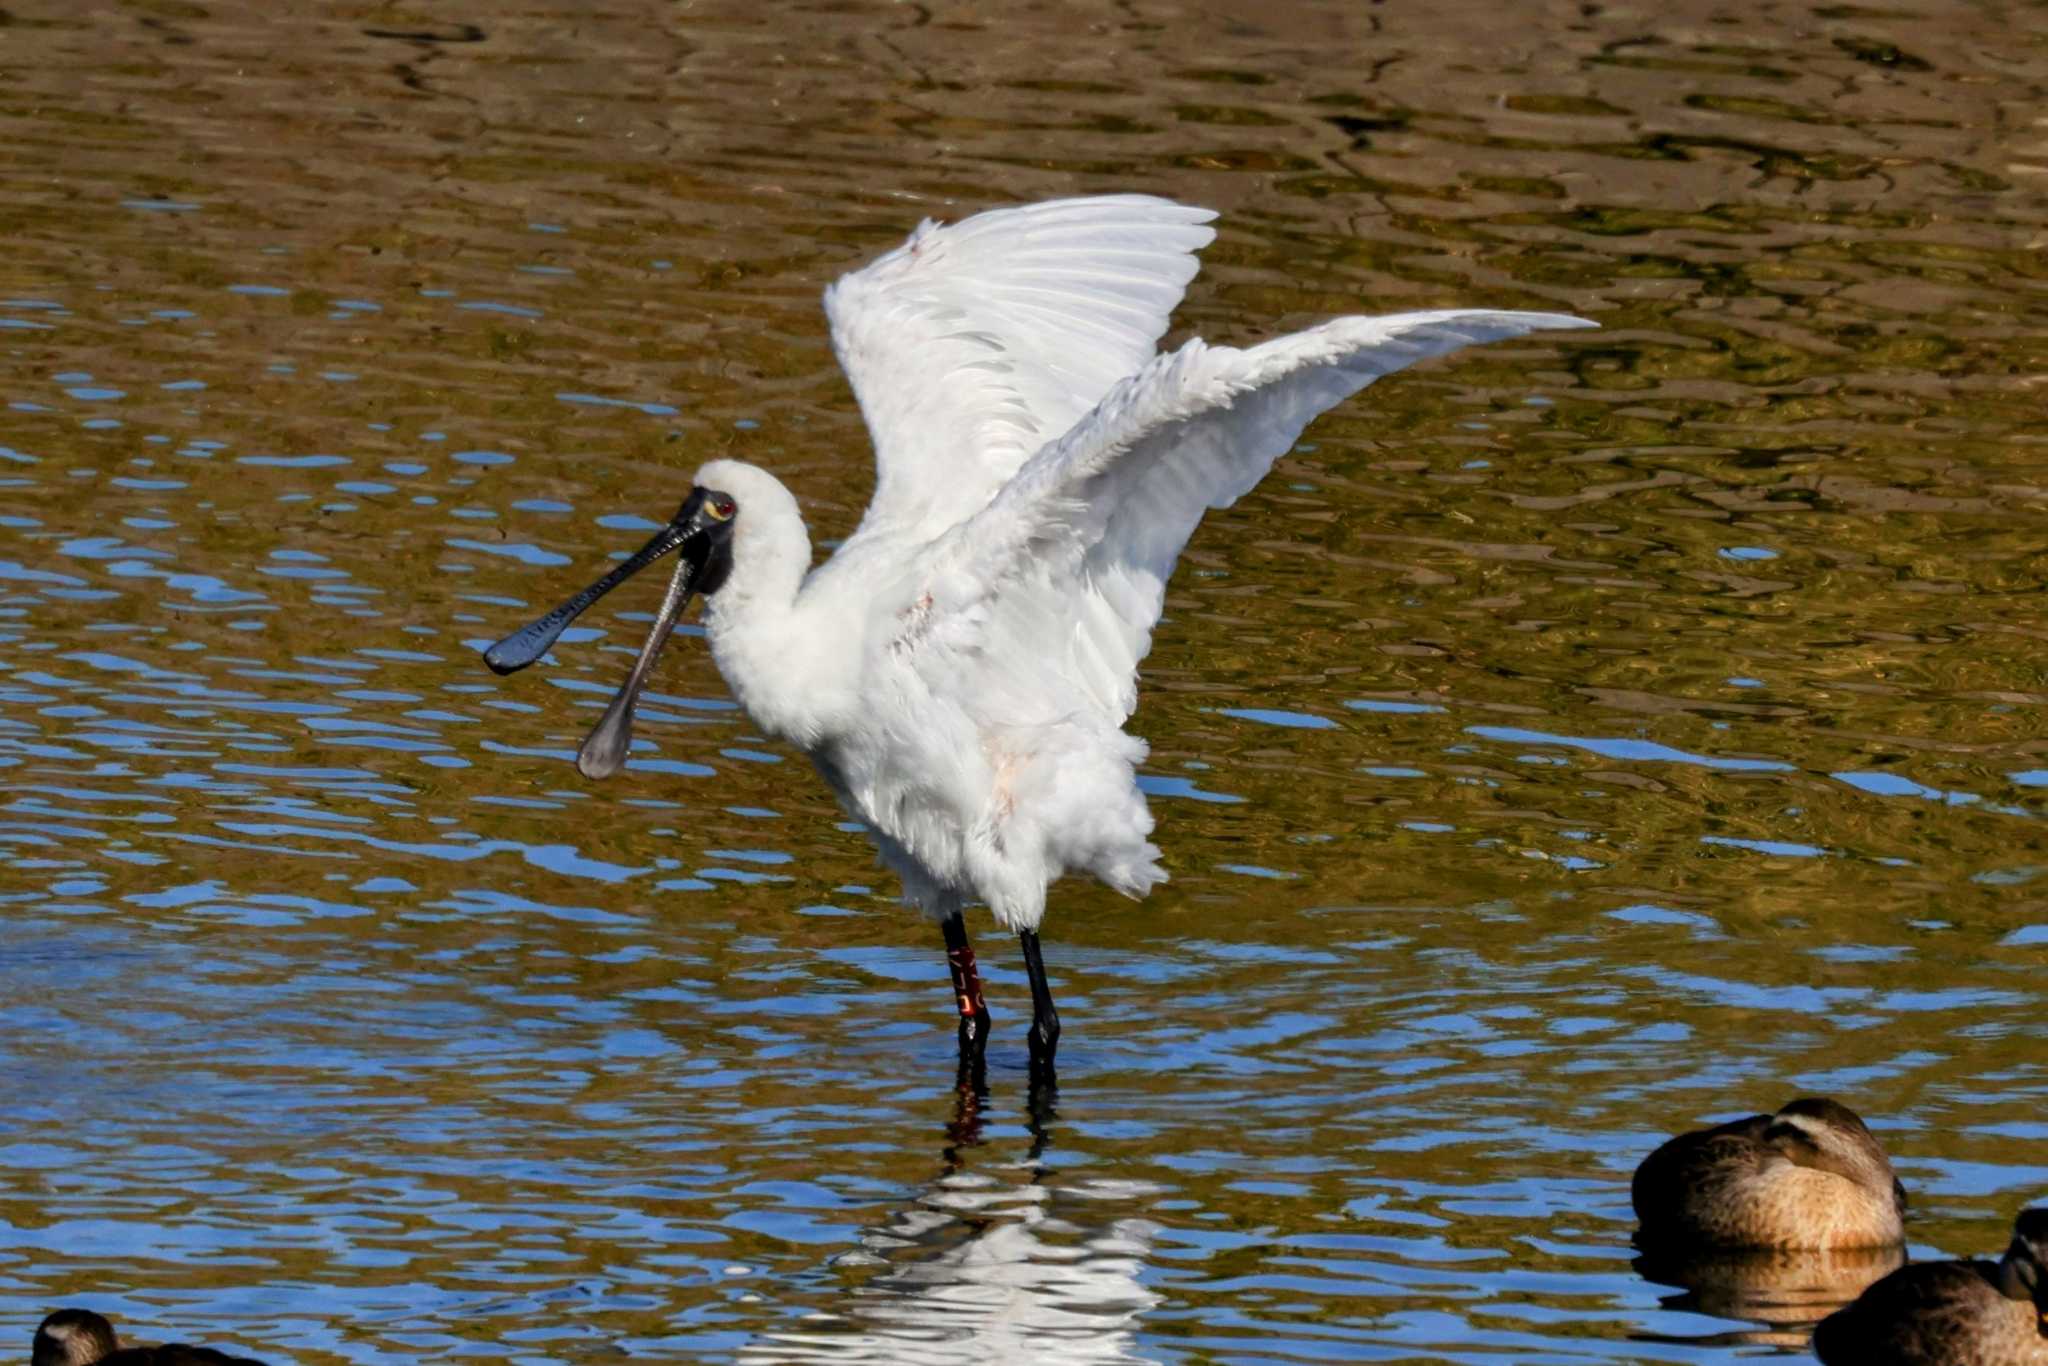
[961,668]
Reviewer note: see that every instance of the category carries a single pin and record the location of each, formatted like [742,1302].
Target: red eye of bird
[722,507]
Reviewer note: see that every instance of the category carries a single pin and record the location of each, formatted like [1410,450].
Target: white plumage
[961,669]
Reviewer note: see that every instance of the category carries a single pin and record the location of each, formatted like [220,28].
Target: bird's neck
[760,634]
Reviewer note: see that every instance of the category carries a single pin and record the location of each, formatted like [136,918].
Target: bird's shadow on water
[987,1259]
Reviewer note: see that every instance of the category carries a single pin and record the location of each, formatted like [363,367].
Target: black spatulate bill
[604,753]
[702,530]
[534,639]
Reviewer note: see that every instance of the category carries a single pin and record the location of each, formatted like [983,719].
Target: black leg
[1045,1021]
[966,992]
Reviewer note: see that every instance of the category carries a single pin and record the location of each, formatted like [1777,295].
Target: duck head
[1827,1135]
[2023,1271]
[73,1337]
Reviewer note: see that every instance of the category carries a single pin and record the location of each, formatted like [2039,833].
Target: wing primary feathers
[1102,512]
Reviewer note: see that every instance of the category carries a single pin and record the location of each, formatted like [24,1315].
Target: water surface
[1574,741]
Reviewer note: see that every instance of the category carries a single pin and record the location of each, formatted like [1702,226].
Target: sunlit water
[1574,741]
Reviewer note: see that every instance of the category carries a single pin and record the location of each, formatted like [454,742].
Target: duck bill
[703,562]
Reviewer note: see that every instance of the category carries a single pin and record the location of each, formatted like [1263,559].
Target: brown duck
[79,1337]
[1973,1313]
[1809,1176]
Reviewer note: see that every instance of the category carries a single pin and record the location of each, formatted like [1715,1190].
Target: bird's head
[1829,1136]
[73,1337]
[2023,1271]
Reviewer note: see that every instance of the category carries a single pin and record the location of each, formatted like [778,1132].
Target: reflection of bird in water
[1786,1289]
[79,1337]
[961,670]
[1809,1176]
[982,1269]
[1969,1313]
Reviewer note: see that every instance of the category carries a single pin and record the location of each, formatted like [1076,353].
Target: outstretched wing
[1074,553]
[971,346]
